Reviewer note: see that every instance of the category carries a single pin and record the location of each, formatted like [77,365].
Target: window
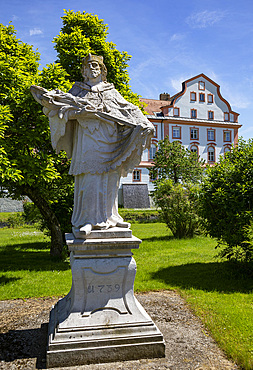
[137,175]
[210,98]
[227,149]
[176,132]
[211,154]
[155,133]
[193,96]
[211,135]
[152,151]
[226,116]
[210,114]
[232,118]
[193,113]
[201,97]
[194,133]
[201,85]
[227,135]
[194,149]
[176,112]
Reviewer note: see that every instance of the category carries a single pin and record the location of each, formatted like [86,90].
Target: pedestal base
[100,320]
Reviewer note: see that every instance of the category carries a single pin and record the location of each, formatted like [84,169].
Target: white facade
[198,117]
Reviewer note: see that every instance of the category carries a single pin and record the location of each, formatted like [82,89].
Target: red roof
[154,105]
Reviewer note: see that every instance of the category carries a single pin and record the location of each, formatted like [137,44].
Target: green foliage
[226,202]
[178,207]
[16,220]
[83,33]
[173,161]
[176,169]
[29,165]
[8,170]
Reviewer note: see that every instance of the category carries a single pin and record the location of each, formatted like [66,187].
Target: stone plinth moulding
[100,320]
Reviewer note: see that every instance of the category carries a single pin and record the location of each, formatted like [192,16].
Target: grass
[219,292]
[26,269]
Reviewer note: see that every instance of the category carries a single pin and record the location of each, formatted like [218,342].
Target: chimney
[164,96]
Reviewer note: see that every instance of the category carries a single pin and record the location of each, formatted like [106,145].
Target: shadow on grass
[5,280]
[159,238]
[224,277]
[29,256]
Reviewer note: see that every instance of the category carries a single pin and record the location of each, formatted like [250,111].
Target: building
[198,117]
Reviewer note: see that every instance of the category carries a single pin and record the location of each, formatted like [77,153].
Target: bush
[226,202]
[178,205]
[16,220]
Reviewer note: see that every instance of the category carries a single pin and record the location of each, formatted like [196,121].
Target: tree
[173,161]
[227,202]
[25,142]
[177,172]
[83,33]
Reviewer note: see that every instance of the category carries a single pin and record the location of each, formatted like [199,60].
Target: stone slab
[114,232]
[135,196]
[100,320]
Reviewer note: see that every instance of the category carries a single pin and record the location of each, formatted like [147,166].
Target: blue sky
[170,41]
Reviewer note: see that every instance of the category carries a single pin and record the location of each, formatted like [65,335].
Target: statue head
[93,62]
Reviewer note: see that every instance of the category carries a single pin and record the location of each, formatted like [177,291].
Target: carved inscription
[104,290]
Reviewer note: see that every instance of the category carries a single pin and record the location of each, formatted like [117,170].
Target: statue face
[93,70]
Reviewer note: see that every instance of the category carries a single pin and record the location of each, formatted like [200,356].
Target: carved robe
[104,145]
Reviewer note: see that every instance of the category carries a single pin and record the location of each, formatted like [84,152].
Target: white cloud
[176,83]
[15,18]
[177,37]
[205,19]
[35,31]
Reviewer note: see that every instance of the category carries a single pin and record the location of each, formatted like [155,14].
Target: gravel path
[23,336]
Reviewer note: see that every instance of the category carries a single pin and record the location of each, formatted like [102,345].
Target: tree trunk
[53,224]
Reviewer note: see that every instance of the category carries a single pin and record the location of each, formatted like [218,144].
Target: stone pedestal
[100,320]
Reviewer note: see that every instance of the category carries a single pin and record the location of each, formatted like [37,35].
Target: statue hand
[80,113]
[147,131]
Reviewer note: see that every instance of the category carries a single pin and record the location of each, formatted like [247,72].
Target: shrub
[226,202]
[178,205]
[16,220]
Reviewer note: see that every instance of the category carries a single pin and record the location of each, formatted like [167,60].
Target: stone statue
[103,134]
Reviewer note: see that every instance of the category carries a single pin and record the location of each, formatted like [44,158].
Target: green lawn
[220,293]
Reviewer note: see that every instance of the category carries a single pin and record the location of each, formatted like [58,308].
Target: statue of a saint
[103,134]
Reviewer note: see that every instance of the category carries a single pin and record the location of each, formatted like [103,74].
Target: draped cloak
[104,145]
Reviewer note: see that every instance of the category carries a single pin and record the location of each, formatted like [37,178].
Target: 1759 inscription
[107,288]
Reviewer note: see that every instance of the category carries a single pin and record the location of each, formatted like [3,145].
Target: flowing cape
[112,138]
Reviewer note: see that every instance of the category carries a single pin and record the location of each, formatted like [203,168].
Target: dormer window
[176,112]
[201,85]
[210,114]
[226,116]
